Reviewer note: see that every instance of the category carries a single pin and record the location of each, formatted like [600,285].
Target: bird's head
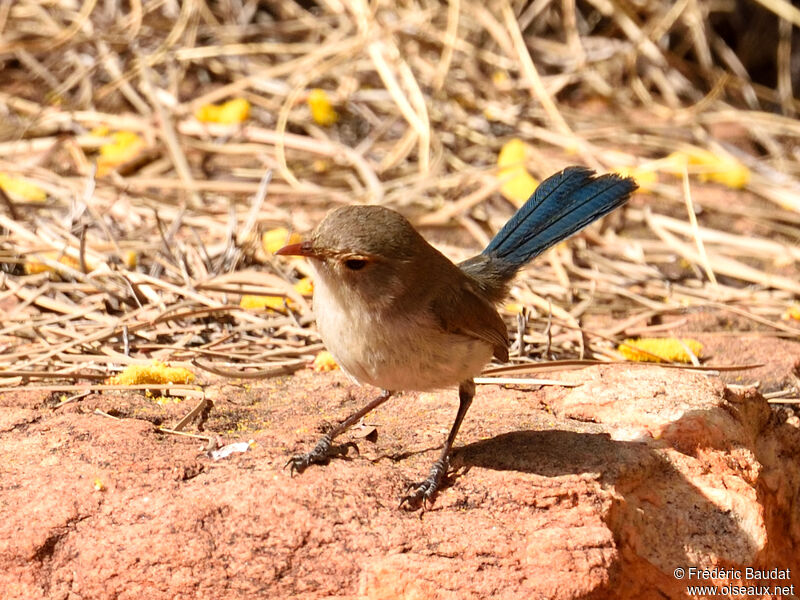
[369,253]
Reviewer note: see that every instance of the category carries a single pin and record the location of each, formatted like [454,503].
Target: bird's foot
[419,494]
[320,455]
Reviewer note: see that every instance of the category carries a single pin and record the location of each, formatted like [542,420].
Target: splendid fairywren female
[399,315]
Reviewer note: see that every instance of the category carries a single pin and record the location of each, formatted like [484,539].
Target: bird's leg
[324,449]
[423,491]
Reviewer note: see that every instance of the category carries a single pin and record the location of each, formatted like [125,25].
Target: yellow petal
[208,113]
[276,303]
[320,166]
[35,265]
[644,178]
[512,154]
[500,78]
[793,312]
[322,111]
[708,166]
[324,361]
[126,145]
[518,184]
[662,349]
[21,190]
[234,111]
[275,239]
[514,308]
[228,113]
[131,259]
[304,287]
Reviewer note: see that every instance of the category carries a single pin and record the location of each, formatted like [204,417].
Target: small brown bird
[399,315]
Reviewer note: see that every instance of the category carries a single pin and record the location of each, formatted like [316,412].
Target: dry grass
[427,93]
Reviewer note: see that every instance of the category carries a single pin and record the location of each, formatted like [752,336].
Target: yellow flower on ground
[793,312]
[500,78]
[324,361]
[156,373]
[322,111]
[228,113]
[277,303]
[518,184]
[320,166]
[34,266]
[21,190]
[124,147]
[660,349]
[304,287]
[708,166]
[131,259]
[644,178]
[275,239]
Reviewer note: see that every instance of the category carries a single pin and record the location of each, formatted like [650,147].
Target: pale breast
[408,352]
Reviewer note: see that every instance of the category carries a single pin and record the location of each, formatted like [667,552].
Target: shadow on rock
[662,514]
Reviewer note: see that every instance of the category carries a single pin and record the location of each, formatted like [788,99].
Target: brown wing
[464,311]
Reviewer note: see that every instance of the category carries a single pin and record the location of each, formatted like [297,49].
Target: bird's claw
[320,455]
[420,494]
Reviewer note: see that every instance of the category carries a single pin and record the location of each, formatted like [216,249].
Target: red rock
[597,491]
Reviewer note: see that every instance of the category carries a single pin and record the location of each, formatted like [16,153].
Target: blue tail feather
[562,205]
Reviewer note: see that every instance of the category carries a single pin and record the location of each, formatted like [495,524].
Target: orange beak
[299,249]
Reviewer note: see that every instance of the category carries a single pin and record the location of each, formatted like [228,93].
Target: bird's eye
[355,264]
